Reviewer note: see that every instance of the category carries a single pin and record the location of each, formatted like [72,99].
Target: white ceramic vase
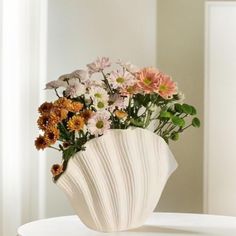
[116,183]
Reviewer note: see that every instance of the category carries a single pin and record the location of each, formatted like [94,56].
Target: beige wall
[180,52]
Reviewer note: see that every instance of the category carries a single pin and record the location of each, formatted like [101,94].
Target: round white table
[161,224]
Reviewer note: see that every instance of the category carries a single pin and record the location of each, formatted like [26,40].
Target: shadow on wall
[180,47]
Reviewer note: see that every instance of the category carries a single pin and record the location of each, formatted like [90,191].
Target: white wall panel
[220,108]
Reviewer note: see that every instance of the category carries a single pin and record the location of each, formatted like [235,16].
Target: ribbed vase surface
[116,183]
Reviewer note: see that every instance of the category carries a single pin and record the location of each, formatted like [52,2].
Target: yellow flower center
[100,124]
[120,80]
[162,88]
[147,81]
[100,105]
[98,95]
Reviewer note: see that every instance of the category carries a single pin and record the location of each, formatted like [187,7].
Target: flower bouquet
[112,123]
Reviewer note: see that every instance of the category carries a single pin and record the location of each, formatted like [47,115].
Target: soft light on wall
[23,40]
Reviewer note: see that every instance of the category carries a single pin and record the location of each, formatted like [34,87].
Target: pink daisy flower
[82,75]
[55,84]
[148,80]
[167,87]
[75,89]
[98,65]
[128,66]
[118,102]
[130,90]
[121,79]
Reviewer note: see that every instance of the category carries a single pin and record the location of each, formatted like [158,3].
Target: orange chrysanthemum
[76,106]
[87,114]
[40,142]
[76,123]
[61,113]
[56,169]
[63,103]
[45,108]
[120,114]
[51,135]
[46,121]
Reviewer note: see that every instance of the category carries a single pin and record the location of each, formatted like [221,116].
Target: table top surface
[161,224]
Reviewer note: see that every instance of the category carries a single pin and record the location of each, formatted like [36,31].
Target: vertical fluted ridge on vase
[116,183]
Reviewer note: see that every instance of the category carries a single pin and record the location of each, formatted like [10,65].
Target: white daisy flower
[98,93]
[99,123]
[100,104]
[121,79]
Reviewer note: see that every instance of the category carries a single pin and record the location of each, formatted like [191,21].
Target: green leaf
[178,121]
[80,142]
[174,136]
[165,114]
[194,111]
[166,139]
[139,99]
[178,108]
[187,109]
[137,122]
[146,100]
[154,97]
[196,122]
[69,152]
[64,133]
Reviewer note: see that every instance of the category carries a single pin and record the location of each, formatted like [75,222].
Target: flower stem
[54,148]
[186,127]
[106,82]
[57,93]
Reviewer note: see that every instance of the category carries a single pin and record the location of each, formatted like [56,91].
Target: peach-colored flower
[148,79]
[167,87]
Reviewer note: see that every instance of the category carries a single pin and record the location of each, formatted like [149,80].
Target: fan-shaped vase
[116,183]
